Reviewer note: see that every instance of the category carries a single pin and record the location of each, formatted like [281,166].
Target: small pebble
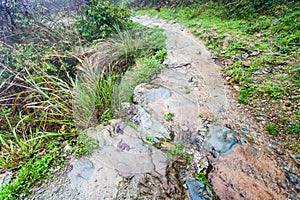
[202,129]
[184,128]
[257,73]
[228,126]
[41,191]
[57,190]
[244,129]
[293,178]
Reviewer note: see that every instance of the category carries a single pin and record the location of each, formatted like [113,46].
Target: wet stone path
[221,140]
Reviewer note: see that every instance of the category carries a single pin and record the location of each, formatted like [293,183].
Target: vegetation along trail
[184,138]
[198,102]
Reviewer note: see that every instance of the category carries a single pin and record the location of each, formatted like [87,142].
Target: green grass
[271,129]
[150,139]
[295,128]
[148,52]
[132,125]
[142,72]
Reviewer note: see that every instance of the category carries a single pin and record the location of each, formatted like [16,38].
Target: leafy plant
[295,128]
[201,177]
[160,55]
[169,116]
[213,118]
[271,129]
[30,172]
[101,18]
[178,152]
[150,139]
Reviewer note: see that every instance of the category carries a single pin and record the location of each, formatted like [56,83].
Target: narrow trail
[224,143]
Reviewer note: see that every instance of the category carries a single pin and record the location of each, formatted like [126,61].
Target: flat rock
[156,101]
[198,190]
[82,169]
[222,139]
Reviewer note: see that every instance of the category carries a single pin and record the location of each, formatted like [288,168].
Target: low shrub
[102,19]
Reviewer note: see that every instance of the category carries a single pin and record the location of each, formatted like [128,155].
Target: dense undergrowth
[52,88]
[258,50]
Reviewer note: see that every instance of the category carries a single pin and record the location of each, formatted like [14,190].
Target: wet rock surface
[222,141]
[198,190]
[242,174]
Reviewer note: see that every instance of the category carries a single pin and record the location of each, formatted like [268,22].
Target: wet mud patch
[241,175]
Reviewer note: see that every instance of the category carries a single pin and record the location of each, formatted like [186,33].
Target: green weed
[160,55]
[35,169]
[83,145]
[213,118]
[271,129]
[131,124]
[244,96]
[144,43]
[201,177]
[150,139]
[187,91]
[169,116]
[178,152]
[295,128]
[295,146]
[275,90]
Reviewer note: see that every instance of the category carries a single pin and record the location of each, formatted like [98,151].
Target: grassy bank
[259,57]
[53,88]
